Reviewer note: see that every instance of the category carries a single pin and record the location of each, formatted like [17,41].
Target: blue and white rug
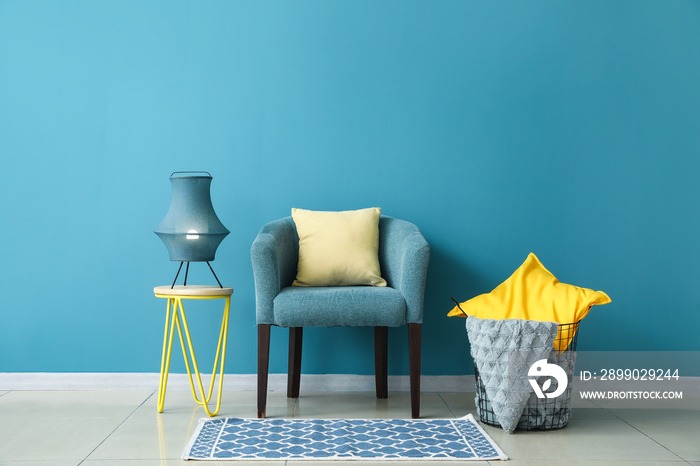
[341,439]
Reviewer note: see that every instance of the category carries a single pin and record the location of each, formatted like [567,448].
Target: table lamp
[191,230]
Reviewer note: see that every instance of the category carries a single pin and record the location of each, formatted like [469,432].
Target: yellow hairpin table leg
[220,352]
[179,320]
[167,348]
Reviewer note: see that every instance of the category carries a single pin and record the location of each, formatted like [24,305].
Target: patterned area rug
[341,439]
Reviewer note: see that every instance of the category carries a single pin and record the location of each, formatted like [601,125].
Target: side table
[175,295]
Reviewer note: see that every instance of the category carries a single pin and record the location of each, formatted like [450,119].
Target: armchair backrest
[392,232]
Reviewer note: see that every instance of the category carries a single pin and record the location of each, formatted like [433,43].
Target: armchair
[403,259]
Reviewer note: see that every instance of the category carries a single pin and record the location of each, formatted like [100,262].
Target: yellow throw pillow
[533,293]
[338,248]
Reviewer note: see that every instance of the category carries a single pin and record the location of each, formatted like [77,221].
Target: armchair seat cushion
[352,306]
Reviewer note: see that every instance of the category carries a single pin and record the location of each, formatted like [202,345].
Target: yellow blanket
[534,293]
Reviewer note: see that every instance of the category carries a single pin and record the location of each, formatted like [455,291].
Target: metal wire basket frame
[539,413]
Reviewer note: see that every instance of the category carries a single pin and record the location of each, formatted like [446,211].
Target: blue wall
[570,129]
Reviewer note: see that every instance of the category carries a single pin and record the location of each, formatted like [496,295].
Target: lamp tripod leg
[177,274]
[217,278]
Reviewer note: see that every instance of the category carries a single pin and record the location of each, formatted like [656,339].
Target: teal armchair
[403,259]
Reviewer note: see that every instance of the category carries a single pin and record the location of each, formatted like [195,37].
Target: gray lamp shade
[191,230]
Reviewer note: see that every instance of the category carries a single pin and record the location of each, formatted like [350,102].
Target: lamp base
[187,270]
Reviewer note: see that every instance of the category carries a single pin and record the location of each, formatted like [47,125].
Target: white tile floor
[100,428]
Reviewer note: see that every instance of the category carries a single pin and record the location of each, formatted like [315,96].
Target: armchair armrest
[404,255]
[416,253]
[274,255]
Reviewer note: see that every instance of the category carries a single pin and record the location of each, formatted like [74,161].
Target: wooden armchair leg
[414,331]
[294,367]
[263,365]
[381,349]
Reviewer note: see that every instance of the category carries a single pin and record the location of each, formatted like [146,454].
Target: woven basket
[540,413]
